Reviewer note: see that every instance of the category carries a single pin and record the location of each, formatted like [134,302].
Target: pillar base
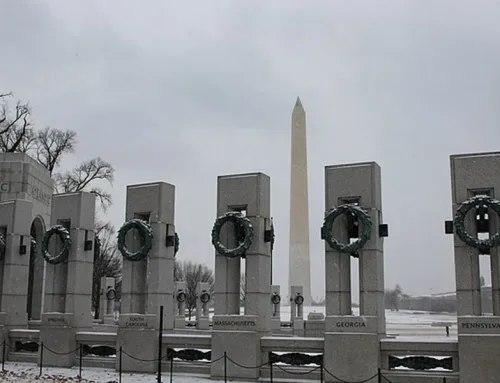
[232,343]
[478,340]
[352,348]
[235,335]
[298,327]
[276,324]
[58,336]
[203,323]
[180,322]
[109,319]
[138,337]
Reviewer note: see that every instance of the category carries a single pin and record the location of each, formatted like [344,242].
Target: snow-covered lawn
[29,373]
[405,324]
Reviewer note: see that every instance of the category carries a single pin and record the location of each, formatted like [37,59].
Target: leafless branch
[16,131]
[80,178]
[52,144]
[192,273]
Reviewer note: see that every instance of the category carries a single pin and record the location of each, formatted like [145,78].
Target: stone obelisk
[299,261]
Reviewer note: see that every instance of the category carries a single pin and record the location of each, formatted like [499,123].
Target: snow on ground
[29,373]
[406,325]
[401,323]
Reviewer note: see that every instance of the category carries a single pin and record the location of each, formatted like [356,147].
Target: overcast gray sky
[184,91]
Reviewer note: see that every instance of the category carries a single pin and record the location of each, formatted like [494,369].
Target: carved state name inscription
[39,195]
[350,324]
[234,323]
[136,322]
[56,320]
[481,325]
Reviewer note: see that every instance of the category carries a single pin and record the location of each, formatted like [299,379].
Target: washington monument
[299,273]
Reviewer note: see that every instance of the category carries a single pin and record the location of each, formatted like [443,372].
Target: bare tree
[192,273]
[84,175]
[16,128]
[52,144]
[48,146]
[392,297]
[107,263]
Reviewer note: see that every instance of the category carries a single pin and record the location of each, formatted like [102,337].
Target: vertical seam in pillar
[159,201]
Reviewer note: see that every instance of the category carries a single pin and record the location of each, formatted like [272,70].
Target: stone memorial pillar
[107,300]
[297,310]
[475,182]
[23,178]
[68,250]
[15,222]
[180,304]
[276,308]
[243,228]
[147,243]
[203,306]
[353,211]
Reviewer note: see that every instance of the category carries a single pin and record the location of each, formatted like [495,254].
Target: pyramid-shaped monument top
[298,103]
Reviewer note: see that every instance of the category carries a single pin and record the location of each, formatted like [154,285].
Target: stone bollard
[107,300]
[202,306]
[276,308]
[297,312]
[180,304]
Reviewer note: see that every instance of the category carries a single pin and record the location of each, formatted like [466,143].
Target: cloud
[185,92]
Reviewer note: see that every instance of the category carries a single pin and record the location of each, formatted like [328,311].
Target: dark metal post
[160,344]
[41,358]
[80,365]
[379,376]
[271,371]
[3,356]
[225,367]
[120,366]
[171,370]
[321,372]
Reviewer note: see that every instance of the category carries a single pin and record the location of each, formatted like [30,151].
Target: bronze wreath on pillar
[65,237]
[111,294]
[365,233]
[299,299]
[275,299]
[459,222]
[176,244]
[205,297]
[181,296]
[244,229]
[145,234]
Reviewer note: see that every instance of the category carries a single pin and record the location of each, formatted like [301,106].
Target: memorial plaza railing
[287,357]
